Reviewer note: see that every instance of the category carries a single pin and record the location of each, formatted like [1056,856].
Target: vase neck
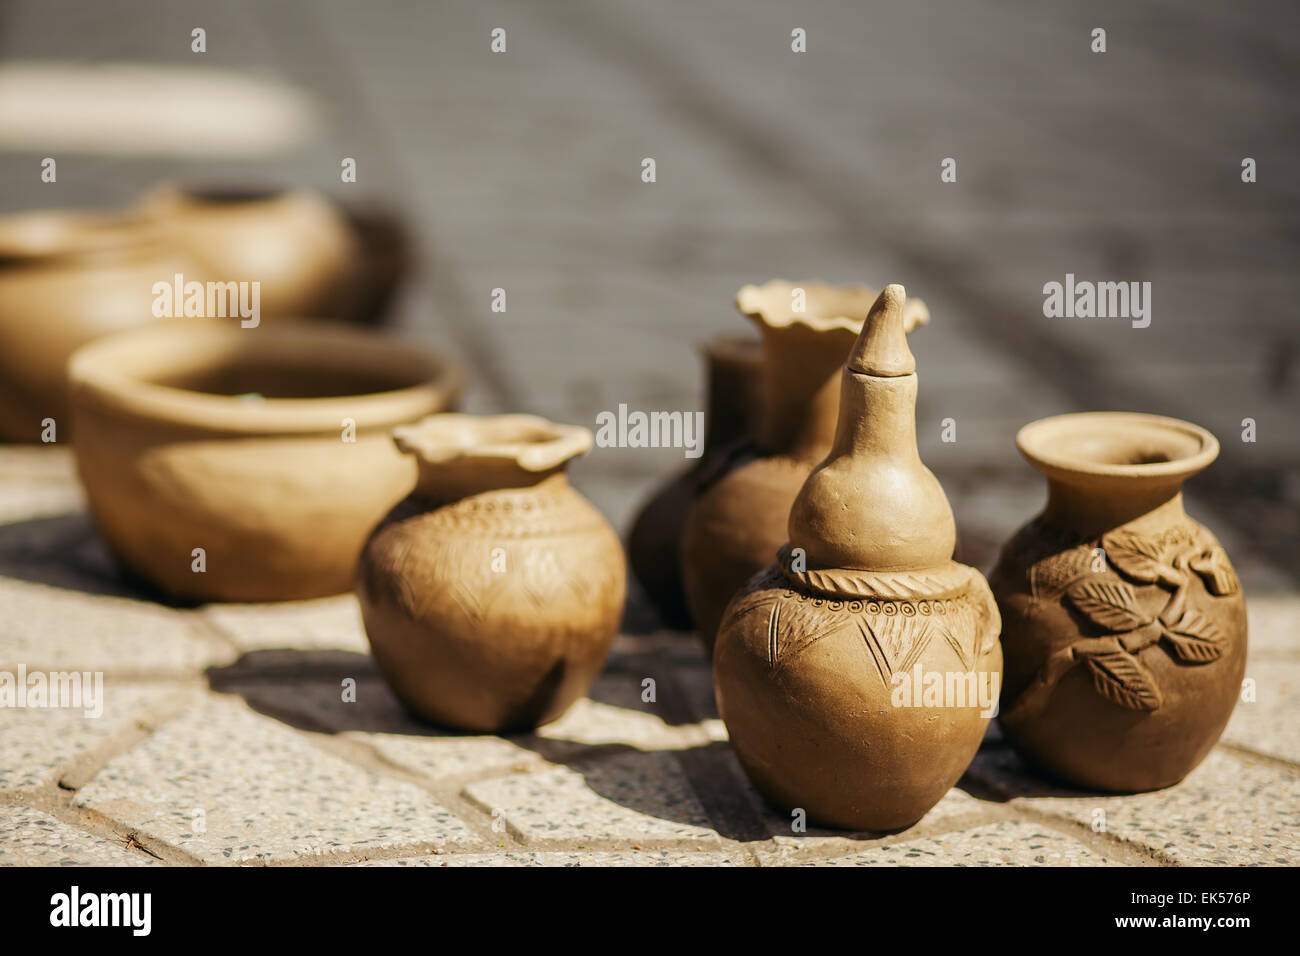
[731,373]
[1091,508]
[801,390]
[445,483]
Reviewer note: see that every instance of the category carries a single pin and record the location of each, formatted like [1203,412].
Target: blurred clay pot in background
[67,278]
[738,520]
[298,245]
[268,448]
[732,370]
[492,594]
[857,675]
[1124,622]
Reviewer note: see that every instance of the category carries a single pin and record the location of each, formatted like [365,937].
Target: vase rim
[1116,445]
[531,442]
[844,307]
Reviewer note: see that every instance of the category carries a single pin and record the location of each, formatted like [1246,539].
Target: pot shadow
[304,690]
[65,551]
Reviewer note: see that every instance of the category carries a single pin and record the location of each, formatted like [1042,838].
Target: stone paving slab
[1269,724]
[228,786]
[521,859]
[29,837]
[332,623]
[54,628]
[1230,810]
[629,799]
[37,745]
[1006,843]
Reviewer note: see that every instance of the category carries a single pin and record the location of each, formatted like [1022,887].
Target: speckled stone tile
[31,501]
[376,719]
[1005,843]
[229,786]
[36,743]
[50,628]
[1228,810]
[332,623]
[615,713]
[1271,722]
[31,838]
[630,798]
[516,858]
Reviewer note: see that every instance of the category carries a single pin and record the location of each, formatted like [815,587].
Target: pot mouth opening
[1117,444]
[528,441]
[218,195]
[293,376]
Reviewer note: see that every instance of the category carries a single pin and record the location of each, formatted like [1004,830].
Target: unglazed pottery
[491,595]
[738,520]
[827,662]
[732,368]
[247,464]
[295,243]
[1124,622]
[67,278]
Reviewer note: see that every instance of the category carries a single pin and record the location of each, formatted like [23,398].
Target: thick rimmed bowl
[247,464]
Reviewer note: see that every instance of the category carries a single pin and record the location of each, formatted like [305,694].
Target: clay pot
[1125,625]
[491,595]
[65,279]
[732,367]
[268,448]
[738,520]
[826,663]
[295,243]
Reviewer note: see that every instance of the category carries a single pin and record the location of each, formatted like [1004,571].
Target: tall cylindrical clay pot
[492,594]
[732,366]
[1124,622]
[738,520]
[858,674]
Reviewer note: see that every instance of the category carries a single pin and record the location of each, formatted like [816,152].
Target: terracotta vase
[858,674]
[492,594]
[295,243]
[67,278]
[235,464]
[732,367]
[738,519]
[1125,625]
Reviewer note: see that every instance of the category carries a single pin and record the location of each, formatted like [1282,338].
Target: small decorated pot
[1124,625]
[492,594]
[858,674]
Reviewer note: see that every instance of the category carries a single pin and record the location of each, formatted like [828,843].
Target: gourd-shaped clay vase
[297,245]
[1125,625]
[492,594]
[738,520]
[67,278]
[858,674]
[732,367]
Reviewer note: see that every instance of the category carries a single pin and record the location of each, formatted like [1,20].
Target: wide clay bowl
[247,464]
